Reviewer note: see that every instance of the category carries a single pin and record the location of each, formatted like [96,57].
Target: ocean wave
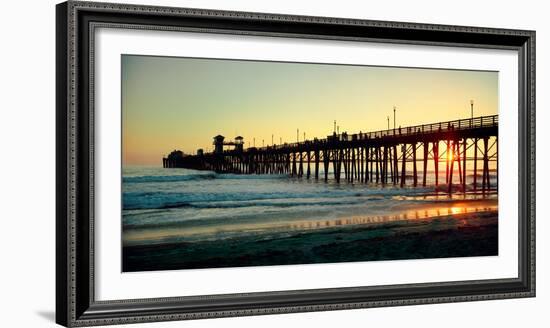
[231,176]
[161,200]
[213,213]
[198,177]
[168,178]
[287,203]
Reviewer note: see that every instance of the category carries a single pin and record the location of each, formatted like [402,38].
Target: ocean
[186,219]
[180,205]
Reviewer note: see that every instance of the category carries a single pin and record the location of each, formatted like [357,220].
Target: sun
[450,156]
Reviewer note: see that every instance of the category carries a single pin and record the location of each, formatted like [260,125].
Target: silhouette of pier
[383,157]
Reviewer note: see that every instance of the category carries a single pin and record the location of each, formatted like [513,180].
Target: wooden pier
[382,157]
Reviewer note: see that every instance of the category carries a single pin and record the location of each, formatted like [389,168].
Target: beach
[455,235]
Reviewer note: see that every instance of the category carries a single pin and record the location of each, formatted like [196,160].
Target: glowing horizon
[173,103]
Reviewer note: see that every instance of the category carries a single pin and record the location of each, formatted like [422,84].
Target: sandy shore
[448,235]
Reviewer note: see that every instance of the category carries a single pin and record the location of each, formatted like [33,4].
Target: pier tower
[239,143]
[218,144]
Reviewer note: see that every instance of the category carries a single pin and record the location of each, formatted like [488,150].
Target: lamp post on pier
[394,117]
[471,112]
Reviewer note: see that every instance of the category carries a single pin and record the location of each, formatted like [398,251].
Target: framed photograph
[214,163]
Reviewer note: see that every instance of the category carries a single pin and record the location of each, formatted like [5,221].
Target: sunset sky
[181,103]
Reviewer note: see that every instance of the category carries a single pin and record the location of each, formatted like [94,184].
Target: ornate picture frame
[76,304]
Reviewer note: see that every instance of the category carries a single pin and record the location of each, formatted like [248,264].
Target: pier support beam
[301,166]
[435,148]
[475,164]
[415,173]
[448,155]
[308,164]
[364,164]
[316,164]
[385,166]
[458,160]
[452,160]
[353,165]
[464,147]
[403,165]
[486,183]
[377,151]
[294,172]
[425,168]
[395,165]
[326,162]
[337,163]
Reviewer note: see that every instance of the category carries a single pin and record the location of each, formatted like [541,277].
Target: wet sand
[445,234]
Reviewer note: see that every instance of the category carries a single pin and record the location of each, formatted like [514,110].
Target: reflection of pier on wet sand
[407,216]
[381,157]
